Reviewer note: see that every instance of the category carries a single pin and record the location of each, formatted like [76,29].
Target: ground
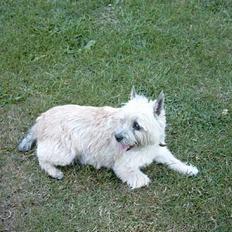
[92,52]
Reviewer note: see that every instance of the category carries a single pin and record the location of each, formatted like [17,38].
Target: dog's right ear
[159,104]
[133,93]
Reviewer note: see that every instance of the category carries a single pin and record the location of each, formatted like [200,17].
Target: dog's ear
[159,104]
[133,93]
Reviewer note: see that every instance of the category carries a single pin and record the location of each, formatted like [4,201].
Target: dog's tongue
[125,147]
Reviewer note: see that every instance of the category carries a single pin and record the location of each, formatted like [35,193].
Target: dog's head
[141,122]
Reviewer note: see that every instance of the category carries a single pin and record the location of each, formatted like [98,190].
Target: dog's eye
[136,126]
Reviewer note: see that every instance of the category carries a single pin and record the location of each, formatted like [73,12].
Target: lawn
[91,52]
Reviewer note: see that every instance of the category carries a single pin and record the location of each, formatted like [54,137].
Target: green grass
[46,59]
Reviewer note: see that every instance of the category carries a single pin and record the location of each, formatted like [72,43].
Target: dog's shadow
[88,175]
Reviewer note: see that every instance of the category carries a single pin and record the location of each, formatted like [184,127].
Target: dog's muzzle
[119,138]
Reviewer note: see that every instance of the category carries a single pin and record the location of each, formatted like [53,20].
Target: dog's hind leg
[164,156]
[51,154]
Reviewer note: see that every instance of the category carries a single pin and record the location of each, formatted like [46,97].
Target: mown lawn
[91,52]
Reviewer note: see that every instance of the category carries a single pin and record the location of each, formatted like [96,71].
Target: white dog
[124,139]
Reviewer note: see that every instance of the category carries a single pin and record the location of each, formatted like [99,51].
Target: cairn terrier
[124,139]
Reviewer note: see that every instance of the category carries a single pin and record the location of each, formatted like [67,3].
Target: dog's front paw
[191,171]
[138,180]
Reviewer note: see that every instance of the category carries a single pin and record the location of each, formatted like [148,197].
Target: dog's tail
[29,141]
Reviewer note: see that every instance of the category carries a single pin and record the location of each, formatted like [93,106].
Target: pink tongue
[125,147]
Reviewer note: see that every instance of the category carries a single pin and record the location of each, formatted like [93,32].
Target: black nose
[118,137]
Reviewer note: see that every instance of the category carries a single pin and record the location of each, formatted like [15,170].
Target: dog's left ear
[159,104]
[133,93]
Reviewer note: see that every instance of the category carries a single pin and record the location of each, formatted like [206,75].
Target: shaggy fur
[124,139]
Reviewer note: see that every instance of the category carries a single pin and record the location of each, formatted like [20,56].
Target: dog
[123,139]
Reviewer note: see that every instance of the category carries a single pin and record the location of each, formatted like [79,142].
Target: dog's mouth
[130,147]
[127,147]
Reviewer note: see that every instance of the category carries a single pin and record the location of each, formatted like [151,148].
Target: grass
[90,52]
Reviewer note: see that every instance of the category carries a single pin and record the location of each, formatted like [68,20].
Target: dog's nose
[118,137]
